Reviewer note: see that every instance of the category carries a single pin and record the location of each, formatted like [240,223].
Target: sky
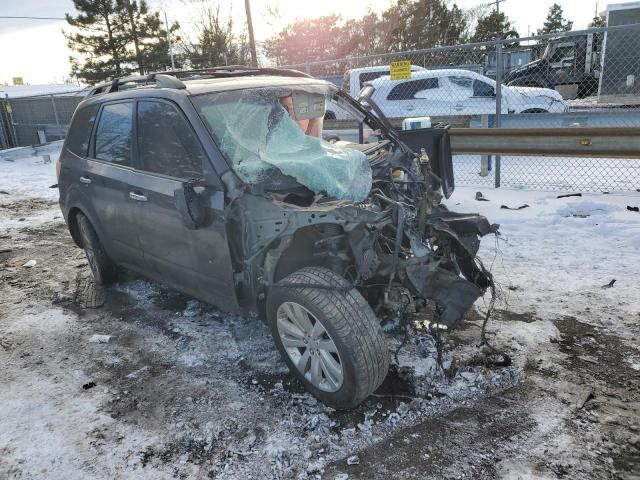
[36,49]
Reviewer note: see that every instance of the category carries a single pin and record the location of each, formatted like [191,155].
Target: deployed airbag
[257,134]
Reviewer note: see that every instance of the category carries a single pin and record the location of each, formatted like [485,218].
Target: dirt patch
[184,390]
[577,419]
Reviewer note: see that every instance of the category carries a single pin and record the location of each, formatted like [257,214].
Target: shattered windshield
[272,135]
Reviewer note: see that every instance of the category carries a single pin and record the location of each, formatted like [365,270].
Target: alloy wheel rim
[310,347]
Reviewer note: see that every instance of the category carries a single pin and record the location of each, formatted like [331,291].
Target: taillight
[58,168]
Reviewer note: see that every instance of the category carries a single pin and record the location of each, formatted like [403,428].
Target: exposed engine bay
[399,246]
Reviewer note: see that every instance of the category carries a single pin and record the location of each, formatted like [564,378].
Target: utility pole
[252,40]
[166,24]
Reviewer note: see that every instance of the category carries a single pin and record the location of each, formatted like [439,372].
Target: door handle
[410,108]
[138,197]
[85,180]
[459,107]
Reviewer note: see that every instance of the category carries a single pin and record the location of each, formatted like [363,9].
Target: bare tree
[214,41]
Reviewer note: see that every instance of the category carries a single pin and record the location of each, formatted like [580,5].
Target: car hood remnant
[256,133]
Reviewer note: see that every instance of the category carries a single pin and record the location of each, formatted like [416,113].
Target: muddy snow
[153,384]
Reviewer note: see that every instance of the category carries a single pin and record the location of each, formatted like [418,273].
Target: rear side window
[166,142]
[113,135]
[408,90]
[80,131]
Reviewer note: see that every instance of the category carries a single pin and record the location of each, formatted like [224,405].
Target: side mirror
[190,205]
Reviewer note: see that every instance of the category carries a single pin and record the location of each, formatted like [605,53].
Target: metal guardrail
[601,142]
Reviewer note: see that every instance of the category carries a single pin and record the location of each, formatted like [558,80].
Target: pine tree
[114,38]
[148,47]
[555,21]
[491,26]
[598,22]
[100,41]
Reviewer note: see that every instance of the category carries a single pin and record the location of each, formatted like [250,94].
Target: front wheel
[328,335]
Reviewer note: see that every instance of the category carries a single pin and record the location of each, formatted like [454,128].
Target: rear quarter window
[80,130]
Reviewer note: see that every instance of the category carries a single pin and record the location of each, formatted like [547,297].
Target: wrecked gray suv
[219,183]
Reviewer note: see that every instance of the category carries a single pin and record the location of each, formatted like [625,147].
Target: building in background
[620,77]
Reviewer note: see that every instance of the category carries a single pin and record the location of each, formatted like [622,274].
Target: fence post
[12,124]
[497,122]
[55,112]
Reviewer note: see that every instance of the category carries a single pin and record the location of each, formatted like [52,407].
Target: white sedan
[456,92]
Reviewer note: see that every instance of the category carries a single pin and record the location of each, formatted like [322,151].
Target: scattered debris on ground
[183,390]
[610,284]
[505,207]
[567,195]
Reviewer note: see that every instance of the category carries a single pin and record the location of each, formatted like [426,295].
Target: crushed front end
[371,212]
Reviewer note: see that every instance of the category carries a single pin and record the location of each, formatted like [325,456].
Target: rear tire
[334,343]
[103,269]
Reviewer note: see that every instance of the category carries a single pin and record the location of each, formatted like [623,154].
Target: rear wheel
[103,269]
[329,337]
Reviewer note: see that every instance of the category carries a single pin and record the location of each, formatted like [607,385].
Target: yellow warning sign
[400,70]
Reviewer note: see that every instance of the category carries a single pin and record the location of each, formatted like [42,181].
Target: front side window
[483,89]
[409,90]
[563,53]
[166,142]
[113,135]
[80,131]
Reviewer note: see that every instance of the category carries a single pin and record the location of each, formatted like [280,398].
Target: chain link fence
[36,119]
[585,78]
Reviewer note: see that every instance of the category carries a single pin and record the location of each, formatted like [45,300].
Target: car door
[473,96]
[196,261]
[464,103]
[106,175]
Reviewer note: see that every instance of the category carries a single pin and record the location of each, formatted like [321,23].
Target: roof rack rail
[237,71]
[161,80]
[172,79]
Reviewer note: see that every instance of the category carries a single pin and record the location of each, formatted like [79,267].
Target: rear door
[169,153]
[106,176]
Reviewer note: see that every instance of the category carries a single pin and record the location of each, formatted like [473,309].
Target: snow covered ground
[553,257]
[185,390]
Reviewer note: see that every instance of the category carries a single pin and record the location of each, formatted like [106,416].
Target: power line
[31,18]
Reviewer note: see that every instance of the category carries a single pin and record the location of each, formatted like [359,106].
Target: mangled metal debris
[399,246]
